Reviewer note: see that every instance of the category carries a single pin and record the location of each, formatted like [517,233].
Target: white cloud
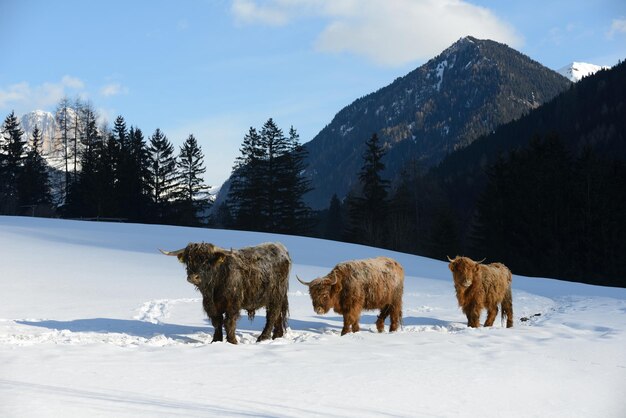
[618,26]
[72,82]
[247,11]
[389,33]
[113,89]
[22,97]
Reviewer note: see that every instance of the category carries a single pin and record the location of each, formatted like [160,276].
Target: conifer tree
[245,196]
[194,193]
[368,210]
[334,222]
[34,185]
[292,215]
[164,179]
[11,162]
[274,145]
[139,189]
[267,185]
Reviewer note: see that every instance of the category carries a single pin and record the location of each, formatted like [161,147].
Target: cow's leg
[217,321]
[492,312]
[350,322]
[507,308]
[473,315]
[473,318]
[279,325]
[380,322]
[269,324]
[396,317]
[230,323]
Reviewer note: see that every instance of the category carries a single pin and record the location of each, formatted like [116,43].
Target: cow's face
[200,260]
[463,270]
[324,292]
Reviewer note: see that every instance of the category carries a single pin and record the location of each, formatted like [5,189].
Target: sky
[215,68]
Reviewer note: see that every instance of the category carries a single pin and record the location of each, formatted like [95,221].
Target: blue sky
[216,67]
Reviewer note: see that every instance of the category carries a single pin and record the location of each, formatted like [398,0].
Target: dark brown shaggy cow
[482,286]
[231,280]
[375,283]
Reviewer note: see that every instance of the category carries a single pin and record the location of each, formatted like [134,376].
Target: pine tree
[245,195]
[194,193]
[34,185]
[11,163]
[139,189]
[292,215]
[334,221]
[368,211]
[274,145]
[85,195]
[107,169]
[267,184]
[126,175]
[164,179]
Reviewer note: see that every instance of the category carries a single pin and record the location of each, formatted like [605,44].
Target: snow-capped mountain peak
[575,71]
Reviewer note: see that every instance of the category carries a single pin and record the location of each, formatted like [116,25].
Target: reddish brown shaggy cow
[375,283]
[482,286]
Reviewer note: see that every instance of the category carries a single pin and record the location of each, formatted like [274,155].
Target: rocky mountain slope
[467,91]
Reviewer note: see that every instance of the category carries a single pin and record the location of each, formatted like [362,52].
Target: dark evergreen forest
[544,194]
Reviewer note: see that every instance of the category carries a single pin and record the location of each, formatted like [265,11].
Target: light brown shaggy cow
[350,287]
[482,286]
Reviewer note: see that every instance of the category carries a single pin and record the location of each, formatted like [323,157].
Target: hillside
[99,323]
[589,114]
[467,91]
[546,193]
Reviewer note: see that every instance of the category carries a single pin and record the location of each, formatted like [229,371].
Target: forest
[543,194]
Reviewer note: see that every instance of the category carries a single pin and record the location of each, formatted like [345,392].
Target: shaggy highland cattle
[375,283]
[482,286]
[231,280]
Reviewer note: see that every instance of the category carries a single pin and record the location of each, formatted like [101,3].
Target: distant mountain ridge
[46,123]
[577,70]
[467,91]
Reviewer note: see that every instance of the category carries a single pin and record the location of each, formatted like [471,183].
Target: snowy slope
[101,324]
[577,70]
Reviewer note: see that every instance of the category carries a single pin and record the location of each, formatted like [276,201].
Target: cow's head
[464,270]
[324,292]
[199,259]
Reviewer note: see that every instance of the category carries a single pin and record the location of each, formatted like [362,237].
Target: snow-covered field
[95,322]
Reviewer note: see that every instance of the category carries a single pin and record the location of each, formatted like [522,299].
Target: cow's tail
[507,308]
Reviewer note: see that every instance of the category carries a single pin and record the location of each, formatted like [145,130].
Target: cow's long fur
[351,286]
[482,286]
[231,280]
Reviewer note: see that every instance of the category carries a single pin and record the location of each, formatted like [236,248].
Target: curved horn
[481,260]
[302,281]
[449,259]
[175,253]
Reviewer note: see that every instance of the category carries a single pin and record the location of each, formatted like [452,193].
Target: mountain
[467,91]
[589,114]
[577,70]
[47,125]
[545,194]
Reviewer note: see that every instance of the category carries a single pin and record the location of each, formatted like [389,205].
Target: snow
[95,322]
[577,70]
[440,69]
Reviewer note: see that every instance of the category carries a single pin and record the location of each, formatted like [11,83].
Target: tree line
[103,174]
[118,174]
[543,212]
